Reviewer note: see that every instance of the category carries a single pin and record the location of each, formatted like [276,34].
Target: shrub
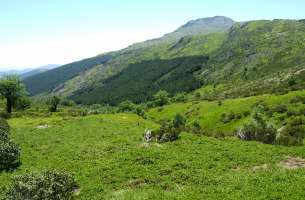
[161,98]
[4,125]
[68,103]
[4,137]
[23,103]
[246,113]
[293,133]
[166,133]
[9,154]
[298,99]
[127,106]
[49,185]
[5,115]
[53,103]
[227,118]
[180,97]
[258,130]
[179,121]
[280,109]
[196,128]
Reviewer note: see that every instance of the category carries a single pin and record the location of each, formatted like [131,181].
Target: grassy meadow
[109,159]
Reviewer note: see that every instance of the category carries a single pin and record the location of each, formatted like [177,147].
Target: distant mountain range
[27,72]
[232,58]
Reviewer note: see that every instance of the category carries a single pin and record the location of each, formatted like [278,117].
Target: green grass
[208,113]
[109,160]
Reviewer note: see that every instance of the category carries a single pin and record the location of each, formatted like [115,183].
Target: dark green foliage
[4,137]
[298,99]
[180,97]
[53,103]
[9,154]
[161,98]
[5,115]
[68,103]
[13,90]
[227,118]
[280,109]
[23,103]
[196,127]
[259,130]
[127,106]
[50,80]
[293,133]
[166,133]
[49,185]
[4,125]
[140,81]
[179,122]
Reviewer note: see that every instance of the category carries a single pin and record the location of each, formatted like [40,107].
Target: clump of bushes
[298,99]
[169,131]
[280,109]
[227,118]
[9,151]
[130,107]
[259,130]
[53,103]
[48,185]
[293,133]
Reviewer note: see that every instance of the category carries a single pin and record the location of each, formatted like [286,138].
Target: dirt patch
[259,167]
[43,126]
[292,163]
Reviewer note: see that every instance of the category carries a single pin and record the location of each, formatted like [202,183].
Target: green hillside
[140,81]
[246,59]
[188,40]
[48,81]
[110,161]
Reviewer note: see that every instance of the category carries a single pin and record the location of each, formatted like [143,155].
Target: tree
[53,103]
[12,89]
[161,98]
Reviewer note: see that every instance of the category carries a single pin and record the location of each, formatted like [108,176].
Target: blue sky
[39,32]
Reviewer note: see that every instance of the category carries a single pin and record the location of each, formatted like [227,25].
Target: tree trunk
[9,105]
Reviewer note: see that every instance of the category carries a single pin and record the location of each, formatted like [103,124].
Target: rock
[148,137]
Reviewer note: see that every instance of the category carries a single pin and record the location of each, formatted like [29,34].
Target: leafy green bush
[49,185]
[127,106]
[53,103]
[5,115]
[166,133]
[293,133]
[9,154]
[179,121]
[298,99]
[4,136]
[4,125]
[161,98]
[259,130]
[68,103]
[280,109]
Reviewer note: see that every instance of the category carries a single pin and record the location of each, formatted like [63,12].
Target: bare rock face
[148,137]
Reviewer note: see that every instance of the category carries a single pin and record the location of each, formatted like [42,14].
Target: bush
[53,103]
[280,109]
[166,133]
[293,133]
[23,103]
[179,121]
[68,103]
[5,115]
[196,127]
[258,130]
[298,99]
[49,185]
[127,106]
[161,98]
[4,137]
[4,125]
[9,154]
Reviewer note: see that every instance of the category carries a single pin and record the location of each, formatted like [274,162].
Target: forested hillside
[244,59]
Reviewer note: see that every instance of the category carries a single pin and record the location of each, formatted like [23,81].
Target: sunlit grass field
[107,155]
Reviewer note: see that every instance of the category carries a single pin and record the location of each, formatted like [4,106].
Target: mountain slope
[48,81]
[38,70]
[181,43]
